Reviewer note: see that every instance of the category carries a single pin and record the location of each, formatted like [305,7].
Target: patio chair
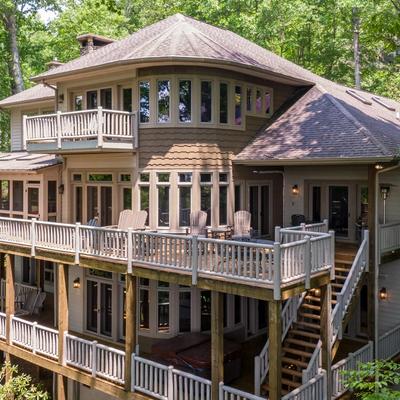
[39,302]
[28,307]
[198,221]
[93,222]
[135,220]
[241,227]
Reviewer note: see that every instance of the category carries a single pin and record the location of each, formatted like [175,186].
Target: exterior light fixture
[295,190]
[317,292]
[378,166]
[383,295]
[61,189]
[385,190]
[77,283]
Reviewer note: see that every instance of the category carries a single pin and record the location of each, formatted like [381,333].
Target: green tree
[373,380]
[18,386]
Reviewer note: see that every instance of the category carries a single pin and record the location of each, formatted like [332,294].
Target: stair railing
[261,363]
[314,364]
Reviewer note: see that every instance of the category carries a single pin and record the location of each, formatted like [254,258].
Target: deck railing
[247,262]
[2,325]
[389,237]
[389,344]
[314,365]
[230,393]
[103,125]
[261,362]
[350,363]
[315,388]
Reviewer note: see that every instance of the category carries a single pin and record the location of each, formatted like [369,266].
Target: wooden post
[10,294]
[275,349]
[217,342]
[131,328]
[62,312]
[326,334]
[372,300]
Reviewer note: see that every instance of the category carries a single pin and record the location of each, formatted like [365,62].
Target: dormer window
[164,98]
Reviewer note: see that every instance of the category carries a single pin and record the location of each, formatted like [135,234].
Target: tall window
[127,198]
[52,197]
[127,99]
[184,308]
[163,306]
[258,101]
[33,200]
[238,198]
[238,105]
[78,204]
[5,195]
[223,199]
[78,102]
[144,190]
[249,100]
[163,97]
[92,202]
[91,99]
[144,101]
[205,194]
[223,103]
[106,98]
[163,198]
[185,101]
[206,101]
[144,303]
[205,310]
[185,198]
[18,196]
[267,97]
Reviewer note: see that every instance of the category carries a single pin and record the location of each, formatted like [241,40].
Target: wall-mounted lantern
[383,294]
[77,283]
[295,190]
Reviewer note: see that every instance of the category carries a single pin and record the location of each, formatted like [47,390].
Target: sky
[46,15]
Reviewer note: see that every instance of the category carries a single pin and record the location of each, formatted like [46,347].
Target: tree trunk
[14,63]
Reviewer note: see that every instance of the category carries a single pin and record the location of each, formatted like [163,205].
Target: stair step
[340,269]
[291,384]
[308,325]
[293,372]
[299,342]
[301,353]
[312,298]
[344,262]
[265,390]
[339,285]
[310,316]
[340,277]
[311,306]
[292,361]
[300,332]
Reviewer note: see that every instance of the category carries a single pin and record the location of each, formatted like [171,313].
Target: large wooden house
[178,118]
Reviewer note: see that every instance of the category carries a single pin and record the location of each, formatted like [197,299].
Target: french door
[99,204]
[259,207]
[339,210]
[99,307]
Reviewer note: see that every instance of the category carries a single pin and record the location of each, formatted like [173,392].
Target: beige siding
[16,130]
[194,147]
[389,310]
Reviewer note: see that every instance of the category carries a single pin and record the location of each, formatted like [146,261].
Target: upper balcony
[78,131]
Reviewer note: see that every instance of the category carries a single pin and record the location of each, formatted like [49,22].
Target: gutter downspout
[377,256]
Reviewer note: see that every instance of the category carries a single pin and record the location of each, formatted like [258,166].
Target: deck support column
[10,299]
[326,334]
[372,284]
[275,349]
[217,343]
[63,318]
[131,328]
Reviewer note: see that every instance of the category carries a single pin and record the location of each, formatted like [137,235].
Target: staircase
[303,337]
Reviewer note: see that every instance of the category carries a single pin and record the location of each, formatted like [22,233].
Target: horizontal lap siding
[194,147]
[16,130]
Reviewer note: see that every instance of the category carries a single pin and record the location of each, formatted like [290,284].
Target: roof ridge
[350,117]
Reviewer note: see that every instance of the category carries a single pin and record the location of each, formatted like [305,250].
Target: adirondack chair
[39,302]
[28,307]
[241,227]
[135,220]
[198,221]
[93,222]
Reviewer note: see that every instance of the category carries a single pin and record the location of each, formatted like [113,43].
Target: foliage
[372,380]
[18,386]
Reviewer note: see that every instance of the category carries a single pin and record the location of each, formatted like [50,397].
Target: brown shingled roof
[23,161]
[181,38]
[34,94]
[328,123]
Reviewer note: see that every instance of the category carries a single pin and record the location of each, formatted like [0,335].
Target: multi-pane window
[206,101]
[185,198]
[205,194]
[144,101]
[163,188]
[5,195]
[163,100]
[223,198]
[223,103]
[238,105]
[18,196]
[185,101]
[144,193]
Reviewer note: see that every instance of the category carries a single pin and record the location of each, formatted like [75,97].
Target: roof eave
[23,102]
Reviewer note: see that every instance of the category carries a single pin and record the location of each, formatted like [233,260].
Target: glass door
[339,210]
[259,209]
[99,204]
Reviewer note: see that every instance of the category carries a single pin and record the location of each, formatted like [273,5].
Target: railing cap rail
[191,376]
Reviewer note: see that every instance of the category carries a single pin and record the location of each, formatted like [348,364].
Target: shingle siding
[16,130]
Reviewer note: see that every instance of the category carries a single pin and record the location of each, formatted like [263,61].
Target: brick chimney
[90,42]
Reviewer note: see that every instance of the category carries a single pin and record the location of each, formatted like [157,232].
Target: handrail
[314,364]
[315,388]
[389,343]
[247,262]
[227,392]
[389,237]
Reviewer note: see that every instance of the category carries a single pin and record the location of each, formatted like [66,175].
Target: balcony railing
[389,237]
[267,265]
[80,130]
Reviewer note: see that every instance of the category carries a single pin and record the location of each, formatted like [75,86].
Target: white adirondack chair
[198,221]
[241,227]
[135,220]
[28,307]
